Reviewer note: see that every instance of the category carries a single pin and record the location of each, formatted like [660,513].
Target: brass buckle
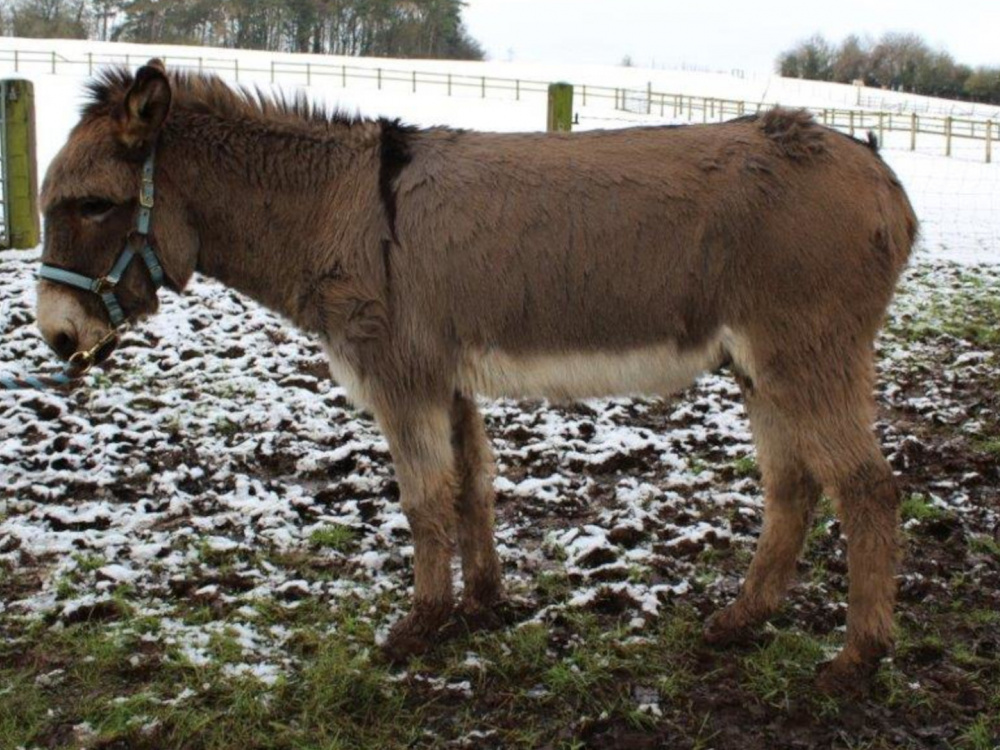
[82,362]
[104,285]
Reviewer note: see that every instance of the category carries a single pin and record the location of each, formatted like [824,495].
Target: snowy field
[214,484]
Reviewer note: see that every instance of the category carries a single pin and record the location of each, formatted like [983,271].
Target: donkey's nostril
[64,344]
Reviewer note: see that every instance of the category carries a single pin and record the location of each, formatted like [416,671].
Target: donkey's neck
[278,210]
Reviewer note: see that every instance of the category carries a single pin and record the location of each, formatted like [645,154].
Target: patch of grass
[698,465]
[983,617]
[88,563]
[226,427]
[822,518]
[988,445]
[784,670]
[23,709]
[746,467]
[918,507]
[984,545]
[981,734]
[335,536]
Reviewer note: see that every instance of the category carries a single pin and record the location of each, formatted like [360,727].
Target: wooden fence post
[913,131]
[989,141]
[560,108]
[947,136]
[20,172]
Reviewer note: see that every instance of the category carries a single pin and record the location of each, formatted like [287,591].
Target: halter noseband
[104,286]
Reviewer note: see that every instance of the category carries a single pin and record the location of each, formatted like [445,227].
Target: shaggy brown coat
[438,264]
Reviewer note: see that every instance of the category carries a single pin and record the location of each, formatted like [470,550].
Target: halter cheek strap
[104,286]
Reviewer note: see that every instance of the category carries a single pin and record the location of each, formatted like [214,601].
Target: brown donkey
[437,264]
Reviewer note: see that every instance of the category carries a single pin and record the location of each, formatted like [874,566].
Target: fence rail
[623,99]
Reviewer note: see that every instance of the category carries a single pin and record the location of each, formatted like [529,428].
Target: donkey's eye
[95,208]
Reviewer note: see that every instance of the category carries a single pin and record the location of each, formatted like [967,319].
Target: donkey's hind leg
[791,494]
[864,487]
[475,464]
[836,415]
[419,437]
[825,398]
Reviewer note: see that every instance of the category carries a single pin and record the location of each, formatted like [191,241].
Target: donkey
[438,264]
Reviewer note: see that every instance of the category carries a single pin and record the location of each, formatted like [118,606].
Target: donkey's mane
[208,94]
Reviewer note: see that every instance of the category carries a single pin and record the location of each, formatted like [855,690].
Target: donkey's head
[104,240]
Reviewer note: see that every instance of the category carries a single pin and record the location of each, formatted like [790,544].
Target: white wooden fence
[947,129]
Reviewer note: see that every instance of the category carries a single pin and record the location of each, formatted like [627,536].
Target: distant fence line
[626,99]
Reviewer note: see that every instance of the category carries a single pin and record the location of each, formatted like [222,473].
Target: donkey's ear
[146,105]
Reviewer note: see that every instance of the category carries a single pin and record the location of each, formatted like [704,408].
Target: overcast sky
[718,34]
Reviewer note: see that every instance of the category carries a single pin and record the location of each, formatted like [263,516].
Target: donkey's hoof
[846,677]
[475,616]
[415,634]
[726,627]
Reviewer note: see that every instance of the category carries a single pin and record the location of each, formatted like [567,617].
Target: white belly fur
[651,370]
[347,377]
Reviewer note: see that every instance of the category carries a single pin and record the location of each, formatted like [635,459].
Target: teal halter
[105,285]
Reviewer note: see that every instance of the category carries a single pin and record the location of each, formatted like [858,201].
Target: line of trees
[384,28]
[901,62]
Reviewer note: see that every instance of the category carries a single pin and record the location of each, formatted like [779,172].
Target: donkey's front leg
[419,438]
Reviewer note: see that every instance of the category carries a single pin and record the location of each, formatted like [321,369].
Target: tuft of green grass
[335,536]
[746,467]
[783,670]
[982,734]
[988,445]
[918,507]
[984,545]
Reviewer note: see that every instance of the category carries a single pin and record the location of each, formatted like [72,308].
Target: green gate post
[20,170]
[560,107]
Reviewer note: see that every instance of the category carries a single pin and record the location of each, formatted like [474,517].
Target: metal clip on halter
[81,362]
